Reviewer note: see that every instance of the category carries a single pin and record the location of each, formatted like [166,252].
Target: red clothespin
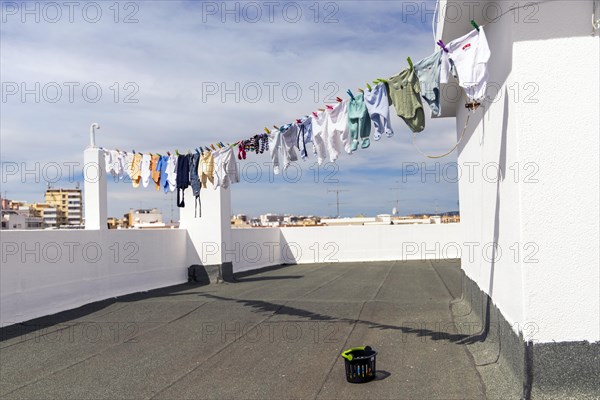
[329,107]
[315,114]
[298,121]
[339,100]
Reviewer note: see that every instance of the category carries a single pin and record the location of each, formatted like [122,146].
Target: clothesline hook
[93,128]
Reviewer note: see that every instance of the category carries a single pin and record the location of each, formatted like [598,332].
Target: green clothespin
[369,87]
[475,25]
[350,94]
[381,80]
[410,62]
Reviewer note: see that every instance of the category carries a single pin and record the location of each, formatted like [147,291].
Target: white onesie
[145,170]
[338,131]
[226,170]
[469,54]
[319,129]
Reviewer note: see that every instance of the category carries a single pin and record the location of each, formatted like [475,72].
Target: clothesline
[332,131]
[424,80]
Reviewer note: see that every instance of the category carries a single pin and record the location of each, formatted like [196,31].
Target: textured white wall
[45,272]
[541,133]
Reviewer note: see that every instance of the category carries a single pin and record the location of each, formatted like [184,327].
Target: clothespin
[410,62]
[276,127]
[329,107]
[212,146]
[442,45]
[158,154]
[267,130]
[169,154]
[133,151]
[340,100]
[298,121]
[207,148]
[177,152]
[369,87]
[197,151]
[315,114]
[475,25]
[350,94]
[360,90]
[321,109]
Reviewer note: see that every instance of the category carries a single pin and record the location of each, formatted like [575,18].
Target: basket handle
[348,353]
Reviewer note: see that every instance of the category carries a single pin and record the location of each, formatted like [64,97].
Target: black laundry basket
[360,364]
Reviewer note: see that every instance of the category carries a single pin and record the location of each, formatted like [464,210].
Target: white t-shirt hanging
[469,54]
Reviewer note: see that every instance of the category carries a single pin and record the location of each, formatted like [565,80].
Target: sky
[164,75]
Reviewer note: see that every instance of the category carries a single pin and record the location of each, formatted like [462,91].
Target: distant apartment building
[19,215]
[12,219]
[144,218]
[118,223]
[65,208]
[240,220]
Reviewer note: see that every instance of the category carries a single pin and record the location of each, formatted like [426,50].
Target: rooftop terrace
[276,334]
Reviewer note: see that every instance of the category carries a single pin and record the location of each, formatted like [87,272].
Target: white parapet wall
[253,248]
[45,272]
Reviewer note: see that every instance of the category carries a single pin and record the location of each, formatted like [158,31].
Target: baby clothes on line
[359,122]
[128,165]
[108,161]
[145,167]
[378,105]
[428,71]
[282,143]
[289,139]
[183,178]
[405,94]
[206,168]
[122,165]
[305,136]
[136,168]
[319,129]
[155,172]
[195,181]
[226,170]
[338,132]
[172,172]
[162,168]
[468,56]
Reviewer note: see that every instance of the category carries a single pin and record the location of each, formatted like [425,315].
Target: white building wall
[542,133]
[560,213]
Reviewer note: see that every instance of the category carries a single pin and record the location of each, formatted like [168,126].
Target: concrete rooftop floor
[273,335]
